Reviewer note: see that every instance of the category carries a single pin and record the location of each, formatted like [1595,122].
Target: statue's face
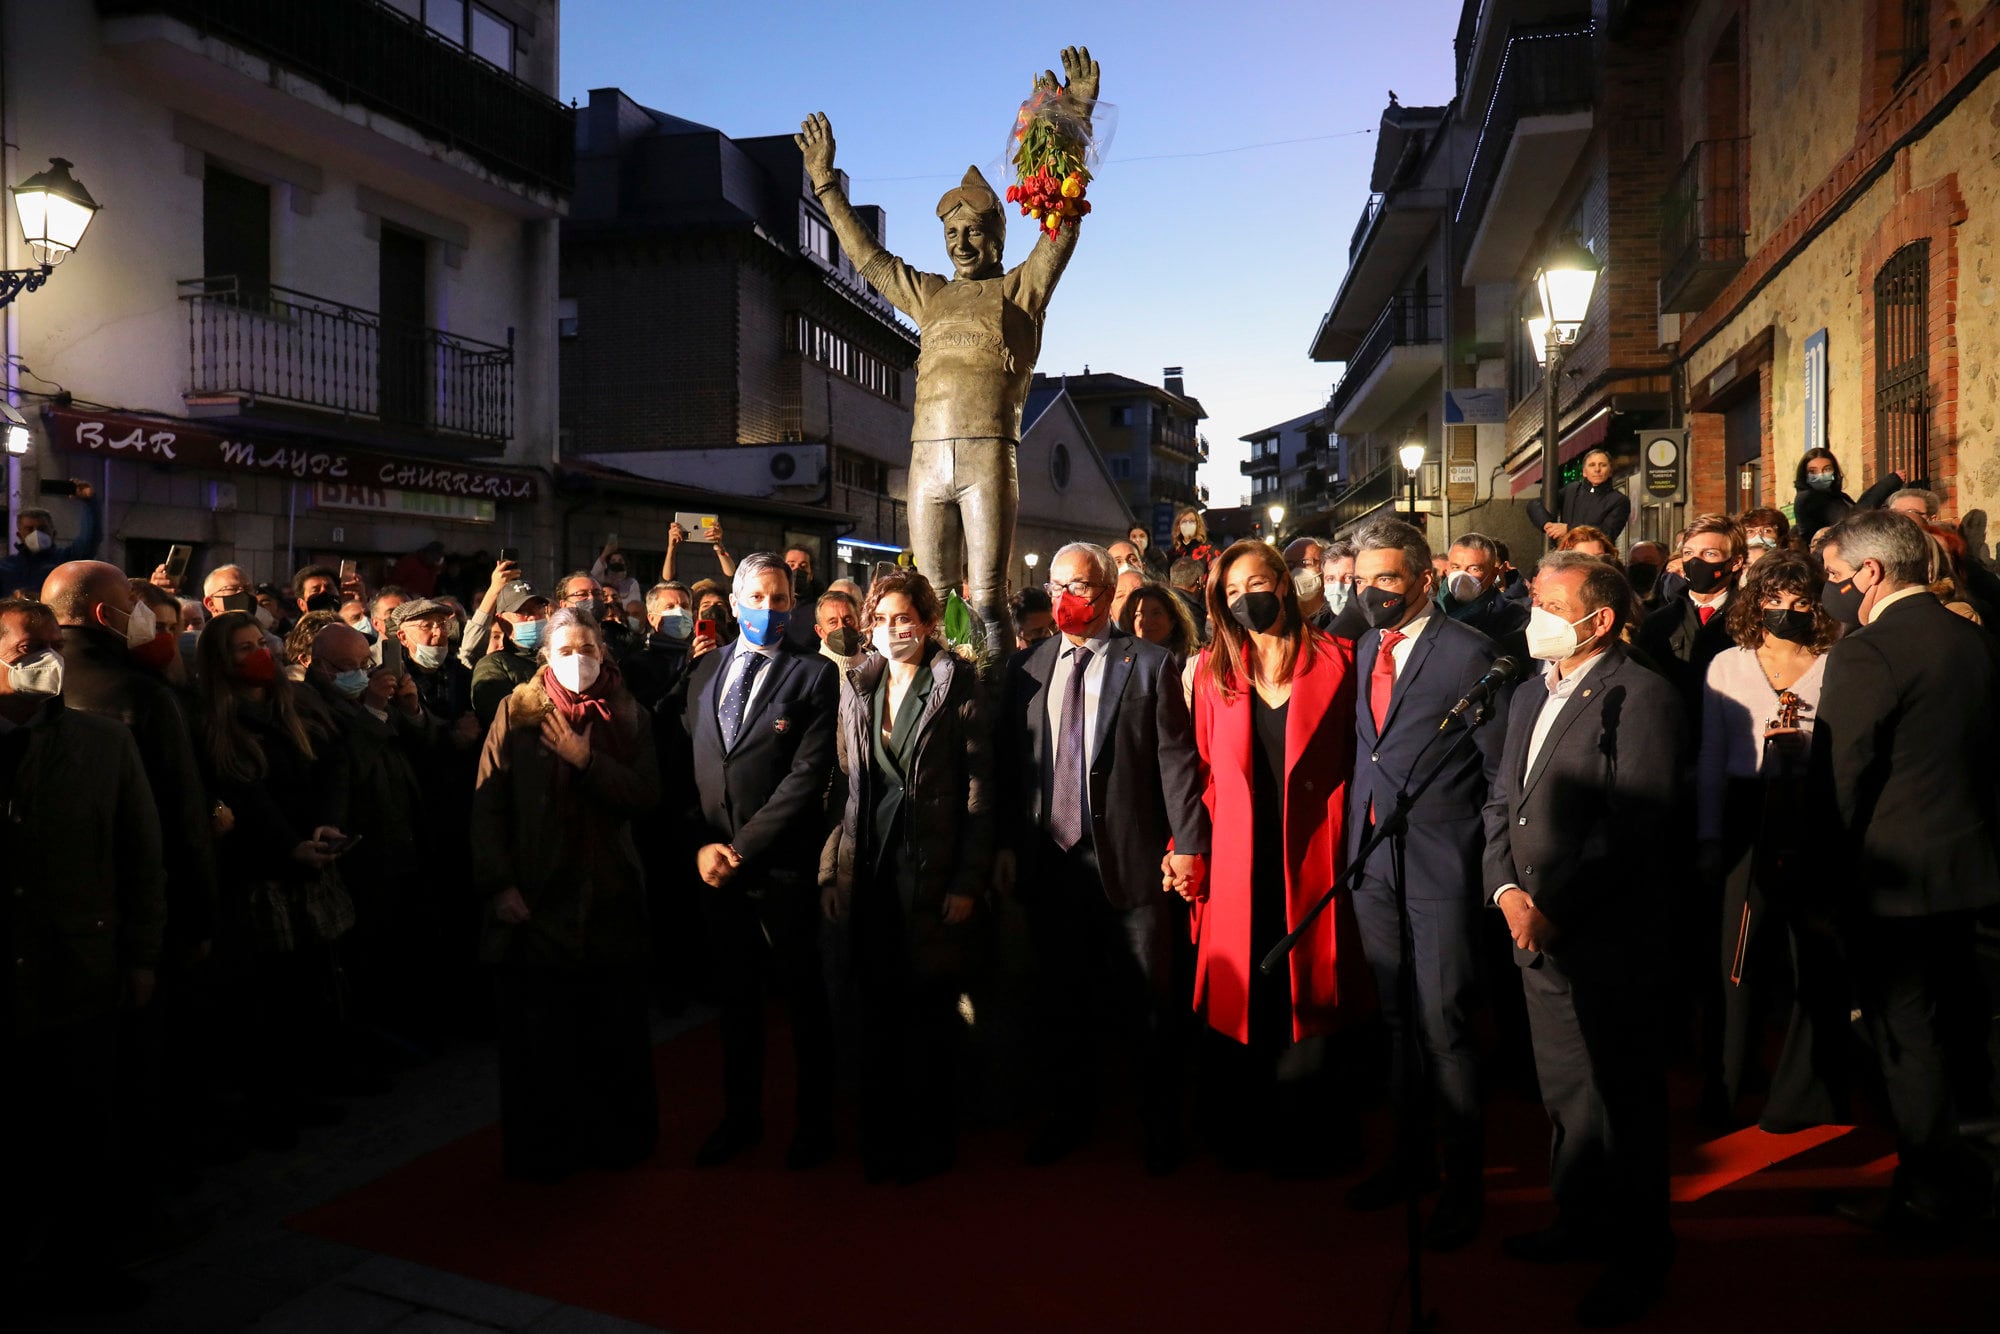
[973,243]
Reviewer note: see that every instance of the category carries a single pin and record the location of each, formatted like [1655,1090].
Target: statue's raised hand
[1079,77]
[815,140]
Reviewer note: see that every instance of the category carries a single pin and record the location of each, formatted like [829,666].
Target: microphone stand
[1394,828]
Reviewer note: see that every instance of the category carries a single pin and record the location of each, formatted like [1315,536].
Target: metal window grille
[1916,37]
[1903,362]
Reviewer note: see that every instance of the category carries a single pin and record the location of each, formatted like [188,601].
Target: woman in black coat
[906,866]
[1822,499]
[1588,502]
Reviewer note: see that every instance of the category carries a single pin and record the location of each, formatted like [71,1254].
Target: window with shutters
[1903,363]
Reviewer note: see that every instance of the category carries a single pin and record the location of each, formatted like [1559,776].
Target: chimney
[1174,382]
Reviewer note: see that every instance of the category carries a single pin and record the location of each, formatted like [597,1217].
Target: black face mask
[844,640]
[1792,625]
[1842,601]
[1381,608]
[1642,576]
[324,602]
[1705,576]
[1256,612]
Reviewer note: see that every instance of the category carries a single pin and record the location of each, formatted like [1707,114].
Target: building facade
[1150,435]
[1068,493]
[714,336]
[313,319]
[1830,280]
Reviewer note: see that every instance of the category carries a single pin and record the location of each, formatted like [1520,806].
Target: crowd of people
[286,841]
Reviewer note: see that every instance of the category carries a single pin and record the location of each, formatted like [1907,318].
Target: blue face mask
[677,623]
[1820,481]
[528,634]
[351,684]
[763,626]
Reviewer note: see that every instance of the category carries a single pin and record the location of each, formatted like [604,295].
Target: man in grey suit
[1586,781]
[1097,770]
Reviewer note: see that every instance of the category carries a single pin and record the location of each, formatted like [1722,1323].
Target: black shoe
[1389,1186]
[1455,1222]
[1620,1295]
[1055,1141]
[810,1147]
[730,1138]
[1551,1246]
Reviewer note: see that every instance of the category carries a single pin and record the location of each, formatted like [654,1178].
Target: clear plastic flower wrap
[1054,149]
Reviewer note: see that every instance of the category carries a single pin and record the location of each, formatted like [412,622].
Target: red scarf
[578,710]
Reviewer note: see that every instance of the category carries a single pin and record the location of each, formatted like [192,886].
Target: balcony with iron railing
[367,54]
[264,344]
[1702,228]
[1363,225]
[1545,69]
[1174,439]
[1367,494]
[1408,320]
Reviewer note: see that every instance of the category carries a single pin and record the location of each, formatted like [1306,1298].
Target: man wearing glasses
[1096,773]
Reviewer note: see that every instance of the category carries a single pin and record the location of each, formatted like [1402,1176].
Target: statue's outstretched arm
[891,277]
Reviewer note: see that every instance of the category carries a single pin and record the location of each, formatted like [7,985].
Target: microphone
[1503,672]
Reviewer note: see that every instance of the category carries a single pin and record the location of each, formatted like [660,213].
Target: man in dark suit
[1683,636]
[1413,667]
[1097,771]
[760,717]
[1472,596]
[1905,735]
[1586,778]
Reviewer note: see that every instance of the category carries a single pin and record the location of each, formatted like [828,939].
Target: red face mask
[257,667]
[1074,615]
[158,651]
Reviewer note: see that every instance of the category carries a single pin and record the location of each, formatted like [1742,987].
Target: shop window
[1903,363]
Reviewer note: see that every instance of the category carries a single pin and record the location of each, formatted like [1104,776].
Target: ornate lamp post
[54,211]
[1565,281]
[1277,515]
[1412,457]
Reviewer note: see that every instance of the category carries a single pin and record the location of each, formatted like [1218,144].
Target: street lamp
[1412,456]
[1565,281]
[1277,513]
[1031,560]
[15,427]
[54,211]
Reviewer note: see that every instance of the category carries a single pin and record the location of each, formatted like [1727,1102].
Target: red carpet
[1096,1245]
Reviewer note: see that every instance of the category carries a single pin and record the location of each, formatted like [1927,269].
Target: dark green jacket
[946,845]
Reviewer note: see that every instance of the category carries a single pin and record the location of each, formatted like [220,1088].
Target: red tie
[1705,612]
[1382,681]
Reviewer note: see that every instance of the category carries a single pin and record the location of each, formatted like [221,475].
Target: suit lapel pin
[782,725]
[1586,694]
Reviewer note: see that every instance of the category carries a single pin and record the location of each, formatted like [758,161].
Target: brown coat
[82,869]
[563,836]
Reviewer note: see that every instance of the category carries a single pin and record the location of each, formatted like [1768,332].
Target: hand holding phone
[177,560]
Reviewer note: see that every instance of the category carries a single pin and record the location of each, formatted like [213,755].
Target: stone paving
[244,1269]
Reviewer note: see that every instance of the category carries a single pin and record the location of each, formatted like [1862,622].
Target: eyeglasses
[1082,588]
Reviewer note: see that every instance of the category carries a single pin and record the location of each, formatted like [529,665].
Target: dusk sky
[1221,263]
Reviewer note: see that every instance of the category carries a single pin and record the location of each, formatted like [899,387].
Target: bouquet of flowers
[1053,151]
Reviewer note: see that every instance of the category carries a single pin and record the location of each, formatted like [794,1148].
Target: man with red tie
[1415,664]
[1683,636]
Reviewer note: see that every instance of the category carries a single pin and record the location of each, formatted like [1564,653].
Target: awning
[302,458]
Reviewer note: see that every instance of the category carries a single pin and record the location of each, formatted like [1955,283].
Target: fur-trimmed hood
[529,703]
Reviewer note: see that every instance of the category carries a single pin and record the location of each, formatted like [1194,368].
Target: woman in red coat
[1274,720]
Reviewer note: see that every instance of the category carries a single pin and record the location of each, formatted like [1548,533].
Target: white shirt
[1876,611]
[737,658]
[1093,687]
[1560,689]
[1400,654]
[1715,599]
